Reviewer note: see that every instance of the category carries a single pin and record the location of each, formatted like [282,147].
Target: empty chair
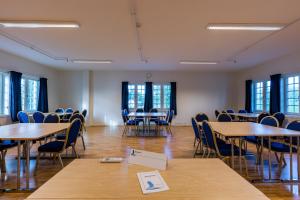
[168,122]
[270,121]
[230,111]
[242,111]
[197,133]
[52,118]
[200,117]
[224,117]
[76,112]
[261,116]
[217,113]
[84,113]
[295,126]
[140,119]
[38,117]
[280,117]
[59,110]
[4,146]
[127,122]
[153,119]
[69,110]
[57,147]
[23,117]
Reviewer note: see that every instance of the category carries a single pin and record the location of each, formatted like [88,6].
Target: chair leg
[246,167]
[280,163]
[169,127]
[194,141]
[60,160]
[37,162]
[276,156]
[3,164]
[74,150]
[196,149]
[83,143]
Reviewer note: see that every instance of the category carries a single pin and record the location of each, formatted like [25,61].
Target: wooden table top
[146,114]
[208,179]
[59,114]
[239,129]
[245,115]
[30,131]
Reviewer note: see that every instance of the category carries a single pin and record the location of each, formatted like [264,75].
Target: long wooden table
[208,179]
[29,132]
[247,116]
[242,129]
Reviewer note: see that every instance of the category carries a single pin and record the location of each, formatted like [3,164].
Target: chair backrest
[280,117]
[270,121]
[139,110]
[124,116]
[261,116]
[230,111]
[84,112]
[217,113]
[52,118]
[200,117]
[224,117]
[72,132]
[38,117]
[76,111]
[209,135]
[153,110]
[195,128]
[171,115]
[77,116]
[242,111]
[294,125]
[23,117]
[59,110]
[69,110]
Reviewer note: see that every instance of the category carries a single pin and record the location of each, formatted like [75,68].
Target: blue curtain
[15,94]
[148,97]
[124,103]
[43,96]
[275,93]
[248,96]
[173,104]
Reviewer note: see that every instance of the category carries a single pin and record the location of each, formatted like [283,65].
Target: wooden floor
[107,141]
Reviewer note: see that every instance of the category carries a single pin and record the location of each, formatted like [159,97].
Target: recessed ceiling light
[37,24]
[246,27]
[187,62]
[92,61]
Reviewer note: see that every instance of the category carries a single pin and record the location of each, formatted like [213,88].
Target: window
[4,93]
[292,94]
[262,96]
[29,93]
[161,96]
[136,96]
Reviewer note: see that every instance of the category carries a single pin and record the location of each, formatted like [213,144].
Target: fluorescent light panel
[246,27]
[92,61]
[37,24]
[187,62]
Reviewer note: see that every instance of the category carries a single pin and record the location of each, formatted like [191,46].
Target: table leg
[262,156]
[19,165]
[269,155]
[27,143]
[291,160]
[298,168]
[232,153]
[240,154]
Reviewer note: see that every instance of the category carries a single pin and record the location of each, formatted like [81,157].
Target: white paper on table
[151,182]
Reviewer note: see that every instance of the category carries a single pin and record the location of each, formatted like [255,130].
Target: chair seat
[280,147]
[225,150]
[54,146]
[162,123]
[132,122]
[252,139]
[61,136]
[6,144]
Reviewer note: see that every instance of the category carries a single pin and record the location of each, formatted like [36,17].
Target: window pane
[292,97]
[29,94]
[131,96]
[140,96]
[167,96]
[157,96]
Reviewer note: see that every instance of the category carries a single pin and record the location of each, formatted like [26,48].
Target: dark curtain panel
[148,97]
[43,96]
[248,96]
[124,96]
[275,93]
[15,94]
[173,104]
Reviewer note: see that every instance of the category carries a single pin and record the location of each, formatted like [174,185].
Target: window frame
[5,94]
[285,92]
[25,98]
[135,95]
[264,96]
[162,96]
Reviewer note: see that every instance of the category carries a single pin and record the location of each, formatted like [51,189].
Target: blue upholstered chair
[220,147]
[230,111]
[280,118]
[38,117]
[57,147]
[295,126]
[52,118]
[153,119]
[217,113]
[261,116]
[127,122]
[167,122]
[84,113]
[76,112]
[242,111]
[4,146]
[270,121]
[198,137]
[69,110]
[200,117]
[224,117]
[59,110]
[140,119]
[23,117]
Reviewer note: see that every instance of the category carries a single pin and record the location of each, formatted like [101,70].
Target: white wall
[284,65]
[9,62]
[196,92]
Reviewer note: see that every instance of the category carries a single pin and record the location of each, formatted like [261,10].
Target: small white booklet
[152,182]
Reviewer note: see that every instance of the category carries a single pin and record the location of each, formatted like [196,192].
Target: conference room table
[147,116]
[239,130]
[28,132]
[191,179]
[247,116]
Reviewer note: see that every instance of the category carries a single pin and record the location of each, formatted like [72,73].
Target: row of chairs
[135,122]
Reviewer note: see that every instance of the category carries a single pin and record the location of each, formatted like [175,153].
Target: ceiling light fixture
[37,24]
[187,62]
[92,61]
[246,27]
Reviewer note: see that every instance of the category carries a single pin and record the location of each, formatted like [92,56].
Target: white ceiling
[171,30]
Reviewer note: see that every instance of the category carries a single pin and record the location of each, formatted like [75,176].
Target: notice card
[152,182]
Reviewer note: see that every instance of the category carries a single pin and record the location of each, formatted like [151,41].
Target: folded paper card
[148,159]
[152,182]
